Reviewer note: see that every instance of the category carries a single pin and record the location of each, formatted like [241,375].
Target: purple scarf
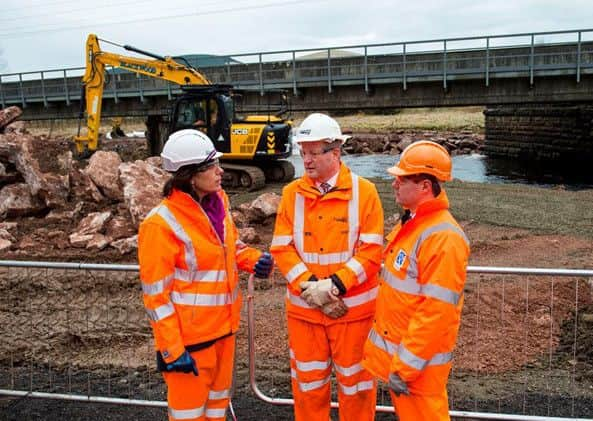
[212,205]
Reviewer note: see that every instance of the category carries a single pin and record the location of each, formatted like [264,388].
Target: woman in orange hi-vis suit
[421,292]
[189,251]
[327,243]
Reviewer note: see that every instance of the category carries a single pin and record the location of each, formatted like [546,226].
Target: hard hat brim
[305,139]
[398,172]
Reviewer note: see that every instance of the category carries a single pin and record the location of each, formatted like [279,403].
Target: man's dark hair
[435,184]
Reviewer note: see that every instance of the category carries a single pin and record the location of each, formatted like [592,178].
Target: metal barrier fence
[529,55]
[79,332]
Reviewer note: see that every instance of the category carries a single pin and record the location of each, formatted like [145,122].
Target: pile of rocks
[457,143]
[48,199]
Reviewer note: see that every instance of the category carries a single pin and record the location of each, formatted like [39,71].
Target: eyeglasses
[206,166]
[314,154]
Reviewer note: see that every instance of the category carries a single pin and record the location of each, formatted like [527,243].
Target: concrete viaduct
[532,75]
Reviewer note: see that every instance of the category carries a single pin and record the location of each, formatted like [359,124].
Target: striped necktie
[325,187]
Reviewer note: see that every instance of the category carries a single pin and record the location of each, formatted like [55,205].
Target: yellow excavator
[253,147]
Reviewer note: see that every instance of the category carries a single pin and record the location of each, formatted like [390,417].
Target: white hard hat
[187,147]
[318,127]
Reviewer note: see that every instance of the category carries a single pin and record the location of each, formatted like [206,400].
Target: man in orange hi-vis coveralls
[421,292]
[327,242]
[188,250]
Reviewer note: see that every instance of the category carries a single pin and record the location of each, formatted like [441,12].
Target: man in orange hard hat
[421,292]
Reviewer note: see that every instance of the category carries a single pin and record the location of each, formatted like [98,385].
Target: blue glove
[264,265]
[185,364]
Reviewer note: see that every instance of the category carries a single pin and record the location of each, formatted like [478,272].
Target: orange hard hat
[424,157]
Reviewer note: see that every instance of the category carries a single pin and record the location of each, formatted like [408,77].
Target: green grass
[539,210]
[536,209]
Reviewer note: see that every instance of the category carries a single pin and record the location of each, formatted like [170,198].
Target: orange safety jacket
[189,275]
[420,299]
[338,233]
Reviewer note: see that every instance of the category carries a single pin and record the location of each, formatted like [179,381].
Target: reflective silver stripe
[215,412]
[355,266]
[358,387]
[218,394]
[411,286]
[190,299]
[372,238]
[157,287]
[308,386]
[298,227]
[296,271]
[355,300]
[312,365]
[418,363]
[442,227]
[348,371]
[362,298]
[160,312]
[281,240]
[186,414]
[326,258]
[190,255]
[382,343]
[200,275]
[405,355]
[353,222]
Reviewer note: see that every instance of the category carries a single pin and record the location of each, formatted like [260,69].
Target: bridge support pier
[540,132]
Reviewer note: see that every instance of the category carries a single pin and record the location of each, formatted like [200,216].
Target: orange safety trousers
[421,407]
[313,349]
[206,396]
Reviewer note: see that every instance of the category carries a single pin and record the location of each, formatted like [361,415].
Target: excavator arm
[94,78]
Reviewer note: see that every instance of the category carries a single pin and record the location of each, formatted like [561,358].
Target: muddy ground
[525,345]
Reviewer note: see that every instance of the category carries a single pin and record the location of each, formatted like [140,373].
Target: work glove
[398,386]
[185,363]
[319,293]
[263,267]
[336,308]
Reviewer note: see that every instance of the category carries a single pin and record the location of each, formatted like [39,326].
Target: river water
[476,168]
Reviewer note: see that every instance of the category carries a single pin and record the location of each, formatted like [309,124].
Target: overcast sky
[50,34]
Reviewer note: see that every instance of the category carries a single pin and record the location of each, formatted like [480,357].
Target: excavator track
[247,177]
[279,171]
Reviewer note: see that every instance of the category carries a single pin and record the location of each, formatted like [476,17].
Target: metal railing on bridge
[79,332]
[529,55]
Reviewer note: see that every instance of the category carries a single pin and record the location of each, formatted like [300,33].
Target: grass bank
[440,119]
[539,210]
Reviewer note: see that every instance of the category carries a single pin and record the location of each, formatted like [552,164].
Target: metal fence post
[114,90]
[43,90]
[2,94]
[366,71]
[22,90]
[228,70]
[261,77]
[404,70]
[66,92]
[445,64]
[140,90]
[531,60]
[488,61]
[329,71]
[579,57]
[294,70]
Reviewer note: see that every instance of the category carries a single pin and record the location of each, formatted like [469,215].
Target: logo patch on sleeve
[400,259]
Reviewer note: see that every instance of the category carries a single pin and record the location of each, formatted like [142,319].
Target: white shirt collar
[332,181]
